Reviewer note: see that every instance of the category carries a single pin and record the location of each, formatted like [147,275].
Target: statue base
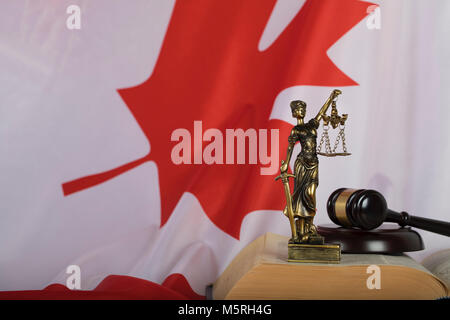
[314,253]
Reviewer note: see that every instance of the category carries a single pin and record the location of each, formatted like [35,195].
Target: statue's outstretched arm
[327,104]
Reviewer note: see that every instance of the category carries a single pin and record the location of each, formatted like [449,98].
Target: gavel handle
[404,219]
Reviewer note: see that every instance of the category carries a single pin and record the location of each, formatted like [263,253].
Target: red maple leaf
[210,69]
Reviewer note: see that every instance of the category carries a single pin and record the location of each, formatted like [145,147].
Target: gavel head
[353,208]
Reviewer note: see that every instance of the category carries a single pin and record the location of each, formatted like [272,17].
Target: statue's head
[298,109]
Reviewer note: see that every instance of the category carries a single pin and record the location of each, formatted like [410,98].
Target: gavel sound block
[359,212]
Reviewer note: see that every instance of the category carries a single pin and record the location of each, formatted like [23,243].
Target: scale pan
[334,154]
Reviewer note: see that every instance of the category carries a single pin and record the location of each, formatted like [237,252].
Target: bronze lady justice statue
[301,207]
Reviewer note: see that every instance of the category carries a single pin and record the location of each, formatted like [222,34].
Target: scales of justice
[306,244]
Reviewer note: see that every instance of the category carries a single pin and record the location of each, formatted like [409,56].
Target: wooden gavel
[367,209]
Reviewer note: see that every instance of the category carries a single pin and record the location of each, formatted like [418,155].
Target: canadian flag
[91,93]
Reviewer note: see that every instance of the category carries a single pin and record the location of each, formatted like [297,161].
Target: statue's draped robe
[306,169]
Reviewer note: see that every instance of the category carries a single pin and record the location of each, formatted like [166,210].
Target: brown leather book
[261,271]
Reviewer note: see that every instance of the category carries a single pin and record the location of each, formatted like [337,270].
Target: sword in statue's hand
[284,176]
